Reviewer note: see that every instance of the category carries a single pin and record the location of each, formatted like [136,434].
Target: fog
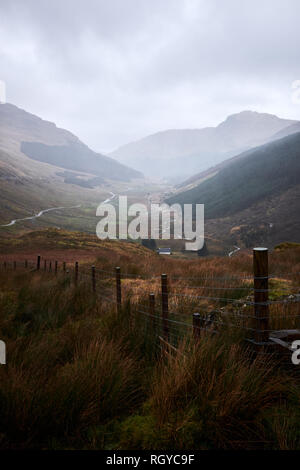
[113,72]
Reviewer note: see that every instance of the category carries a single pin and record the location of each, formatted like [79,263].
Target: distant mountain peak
[180,153]
[249,115]
[246,113]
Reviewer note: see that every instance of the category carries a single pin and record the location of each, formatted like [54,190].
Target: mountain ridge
[193,150]
[34,174]
[256,195]
[18,127]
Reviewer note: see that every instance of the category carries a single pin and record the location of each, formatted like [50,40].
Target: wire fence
[174,308]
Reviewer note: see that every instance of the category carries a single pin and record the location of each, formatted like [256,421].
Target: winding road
[12,222]
[234,251]
[113,195]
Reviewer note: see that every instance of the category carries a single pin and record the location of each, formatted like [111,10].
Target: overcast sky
[113,71]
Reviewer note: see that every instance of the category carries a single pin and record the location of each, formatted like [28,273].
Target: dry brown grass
[80,375]
[216,383]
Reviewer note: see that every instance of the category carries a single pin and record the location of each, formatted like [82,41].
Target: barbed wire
[175,326]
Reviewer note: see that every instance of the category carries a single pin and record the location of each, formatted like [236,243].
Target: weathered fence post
[50,266]
[15,265]
[55,268]
[93,279]
[45,265]
[64,266]
[152,309]
[38,263]
[118,289]
[165,305]
[26,264]
[76,272]
[196,326]
[5,265]
[152,306]
[129,310]
[261,307]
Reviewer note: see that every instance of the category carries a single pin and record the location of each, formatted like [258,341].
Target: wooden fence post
[165,305]
[261,307]
[118,289]
[5,265]
[45,265]
[76,272]
[196,326]
[26,264]
[93,279]
[15,265]
[55,268]
[64,266]
[152,309]
[38,263]
[50,266]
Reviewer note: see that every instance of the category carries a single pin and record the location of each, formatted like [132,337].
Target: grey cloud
[113,71]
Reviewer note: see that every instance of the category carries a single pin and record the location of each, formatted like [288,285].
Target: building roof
[164,251]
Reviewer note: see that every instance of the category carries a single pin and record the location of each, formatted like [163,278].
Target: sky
[115,71]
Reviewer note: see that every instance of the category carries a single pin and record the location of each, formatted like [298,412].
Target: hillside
[257,193]
[197,178]
[286,131]
[182,152]
[83,374]
[25,136]
[43,166]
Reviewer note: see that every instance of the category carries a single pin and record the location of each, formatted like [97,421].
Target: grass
[64,373]
[80,375]
[287,246]
[191,391]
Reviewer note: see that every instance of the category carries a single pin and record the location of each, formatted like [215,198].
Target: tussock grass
[81,375]
[215,395]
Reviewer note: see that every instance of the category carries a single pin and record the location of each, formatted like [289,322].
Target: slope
[183,152]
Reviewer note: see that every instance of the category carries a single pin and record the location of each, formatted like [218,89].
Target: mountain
[42,166]
[292,129]
[257,193]
[180,153]
[197,178]
[25,136]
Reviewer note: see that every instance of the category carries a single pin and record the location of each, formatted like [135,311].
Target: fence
[268,325]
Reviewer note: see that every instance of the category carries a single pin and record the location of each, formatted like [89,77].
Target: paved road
[234,251]
[12,222]
[113,195]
